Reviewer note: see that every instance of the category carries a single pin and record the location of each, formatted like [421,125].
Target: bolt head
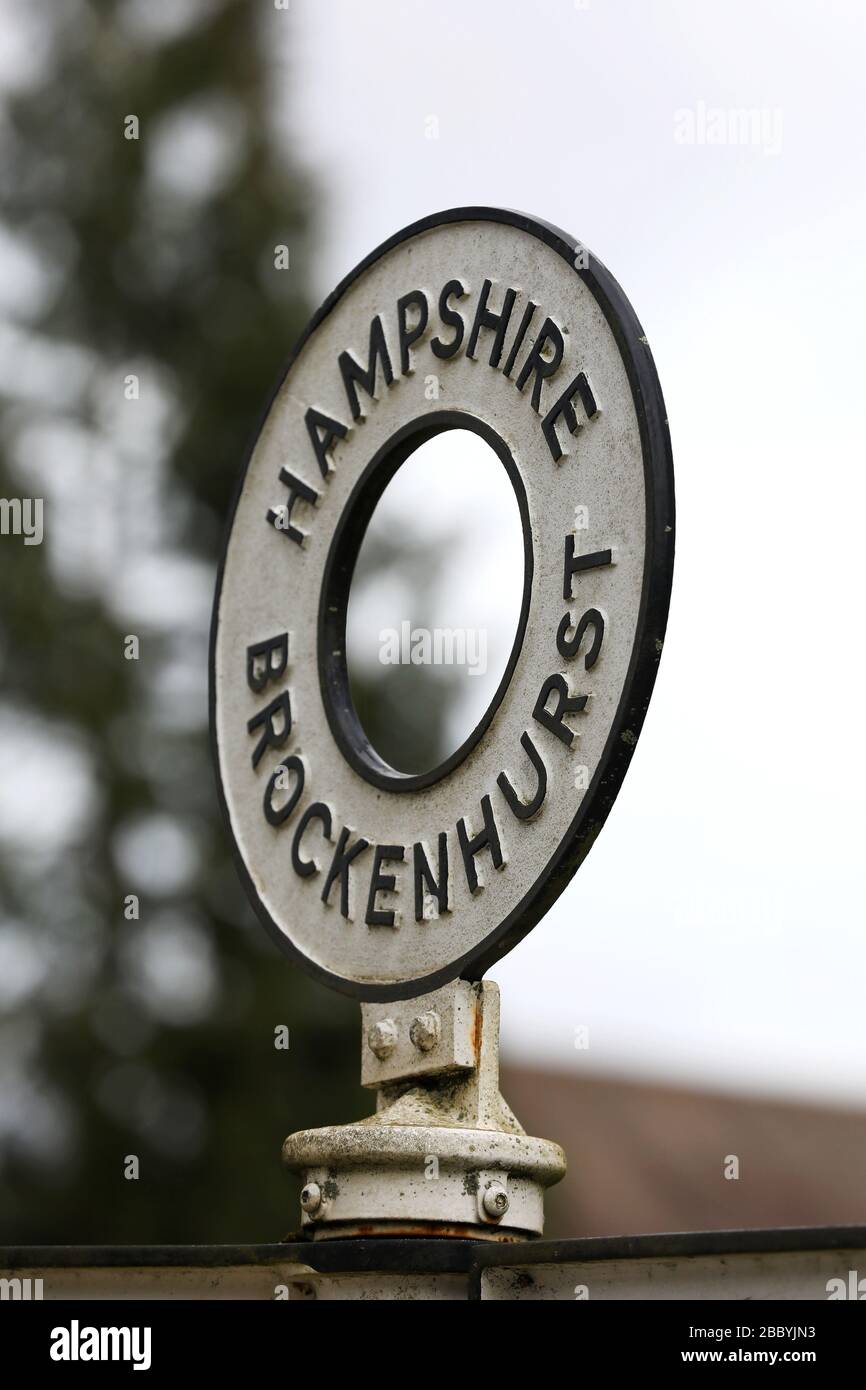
[426,1031]
[311,1198]
[382,1038]
[495,1201]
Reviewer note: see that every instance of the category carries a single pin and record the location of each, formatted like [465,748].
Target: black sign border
[652,616]
[346,542]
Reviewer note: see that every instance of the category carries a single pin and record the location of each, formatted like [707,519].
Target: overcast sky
[716,931]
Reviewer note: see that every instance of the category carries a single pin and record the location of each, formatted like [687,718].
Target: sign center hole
[435,601]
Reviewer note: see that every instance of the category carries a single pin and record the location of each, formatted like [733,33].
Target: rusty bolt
[382,1038]
[426,1031]
[495,1201]
[311,1198]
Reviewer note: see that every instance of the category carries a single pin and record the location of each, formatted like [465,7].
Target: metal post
[443,1155]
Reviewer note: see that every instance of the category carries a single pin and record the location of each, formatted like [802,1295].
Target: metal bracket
[443,1154]
[433,1036]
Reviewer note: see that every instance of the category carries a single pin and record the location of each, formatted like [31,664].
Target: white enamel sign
[387,885]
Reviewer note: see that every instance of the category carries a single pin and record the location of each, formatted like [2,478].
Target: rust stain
[475,1032]
[431,1229]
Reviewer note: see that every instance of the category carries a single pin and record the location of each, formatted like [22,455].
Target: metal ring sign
[386,885]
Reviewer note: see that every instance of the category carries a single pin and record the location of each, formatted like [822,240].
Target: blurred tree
[144,322]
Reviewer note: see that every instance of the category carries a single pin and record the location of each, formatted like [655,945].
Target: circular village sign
[387,885]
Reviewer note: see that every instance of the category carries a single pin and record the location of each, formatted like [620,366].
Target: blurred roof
[652,1158]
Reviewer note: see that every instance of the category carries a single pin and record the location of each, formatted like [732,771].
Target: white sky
[479,590]
[716,932]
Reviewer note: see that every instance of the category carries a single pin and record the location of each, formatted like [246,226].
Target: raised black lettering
[525,810]
[568,647]
[382,883]
[354,375]
[563,408]
[539,365]
[261,666]
[575,564]
[273,737]
[416,299]
[323,431]
[518,338]
[344,854]
[317,811]
[452,318]
[281,517]
[278,815]
[425,883]
[565,704]
[484,318]
[470,846]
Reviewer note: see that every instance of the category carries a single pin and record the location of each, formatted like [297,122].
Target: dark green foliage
[180,289]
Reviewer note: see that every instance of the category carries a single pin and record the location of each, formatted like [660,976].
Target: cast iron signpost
[390,886]
[387,885]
